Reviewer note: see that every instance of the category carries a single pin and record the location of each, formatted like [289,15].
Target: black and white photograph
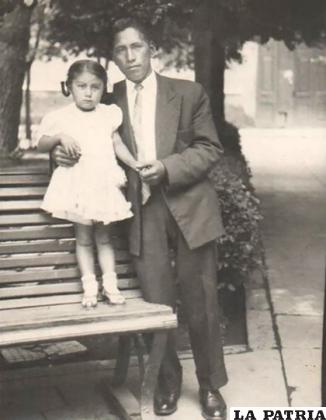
[162,209]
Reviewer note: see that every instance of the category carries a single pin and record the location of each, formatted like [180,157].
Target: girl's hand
[61,157]
[70,146]
[153,172]
[137,165]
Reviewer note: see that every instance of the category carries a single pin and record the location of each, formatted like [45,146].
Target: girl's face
[87,90]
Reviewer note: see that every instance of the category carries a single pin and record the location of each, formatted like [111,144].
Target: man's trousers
[193,274]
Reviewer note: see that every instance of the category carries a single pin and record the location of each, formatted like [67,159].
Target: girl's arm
[48,143]
[123,153]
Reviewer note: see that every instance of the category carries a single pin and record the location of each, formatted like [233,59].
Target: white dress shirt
[148,109]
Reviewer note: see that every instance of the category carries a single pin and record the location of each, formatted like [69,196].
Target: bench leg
[140,356]
[151,374]
[121,367]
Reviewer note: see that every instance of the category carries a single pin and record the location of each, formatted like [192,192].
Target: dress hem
[76,218]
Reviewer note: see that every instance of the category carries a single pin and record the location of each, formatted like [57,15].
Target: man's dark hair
[130,22]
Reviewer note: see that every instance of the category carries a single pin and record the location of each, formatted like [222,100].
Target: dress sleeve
[48,127]
[116,117]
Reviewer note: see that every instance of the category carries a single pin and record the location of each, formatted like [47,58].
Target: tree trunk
[14,37]
[28,122]
[209,57]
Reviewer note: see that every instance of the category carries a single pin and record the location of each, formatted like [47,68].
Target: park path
[289,174]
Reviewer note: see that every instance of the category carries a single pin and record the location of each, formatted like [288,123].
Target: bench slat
[20,205]
[22,192]
[47,245]
[37,260]
[18,180]
[36,232]
[40,289]
[28,219]
[31,302]
[13,276]
[57,258]
[137,324]
[37,246]
[24,171]
[53,288]
[70,313]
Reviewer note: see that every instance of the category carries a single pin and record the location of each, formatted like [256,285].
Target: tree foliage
[81,25]
[86,26]
[291,21]
[7,6]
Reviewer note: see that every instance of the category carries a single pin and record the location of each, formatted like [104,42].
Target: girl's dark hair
[79,67]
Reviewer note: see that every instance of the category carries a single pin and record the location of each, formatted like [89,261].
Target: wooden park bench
[40,288]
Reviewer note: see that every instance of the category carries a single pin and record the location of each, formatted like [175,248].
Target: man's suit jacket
[188,146]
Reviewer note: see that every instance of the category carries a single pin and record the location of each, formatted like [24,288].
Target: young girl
[88,193]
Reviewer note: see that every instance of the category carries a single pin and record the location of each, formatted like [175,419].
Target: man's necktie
[138,126]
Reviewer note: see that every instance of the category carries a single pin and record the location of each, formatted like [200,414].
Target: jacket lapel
[167,117]
[120,96]
[133,185]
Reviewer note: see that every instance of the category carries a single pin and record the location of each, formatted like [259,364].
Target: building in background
[291,86]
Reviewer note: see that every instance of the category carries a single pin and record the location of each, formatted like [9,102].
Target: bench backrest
[37,252]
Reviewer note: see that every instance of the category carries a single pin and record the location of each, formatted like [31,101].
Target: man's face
[132,54]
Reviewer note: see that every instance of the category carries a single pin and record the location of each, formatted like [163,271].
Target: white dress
[91,190]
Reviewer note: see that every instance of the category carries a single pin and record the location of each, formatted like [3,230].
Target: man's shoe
[212,404]
[164,405]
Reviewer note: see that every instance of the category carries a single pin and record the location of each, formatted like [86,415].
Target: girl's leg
[85,258]
[105,254]
[105,250]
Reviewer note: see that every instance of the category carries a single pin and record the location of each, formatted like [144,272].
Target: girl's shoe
[90,287]
[111,291]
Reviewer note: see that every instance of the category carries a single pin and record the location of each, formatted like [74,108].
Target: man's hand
[70,146]
[152,172]
[62,158]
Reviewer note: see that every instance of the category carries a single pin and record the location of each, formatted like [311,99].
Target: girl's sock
[110,289]
[90,287]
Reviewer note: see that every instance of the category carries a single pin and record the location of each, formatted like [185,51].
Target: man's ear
[153,49]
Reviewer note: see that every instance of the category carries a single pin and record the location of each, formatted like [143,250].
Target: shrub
[240,249]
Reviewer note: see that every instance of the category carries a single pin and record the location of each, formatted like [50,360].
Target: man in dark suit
[168,127]
[182,211]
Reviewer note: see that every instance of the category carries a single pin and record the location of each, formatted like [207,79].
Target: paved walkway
[289,173]
[281,366]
